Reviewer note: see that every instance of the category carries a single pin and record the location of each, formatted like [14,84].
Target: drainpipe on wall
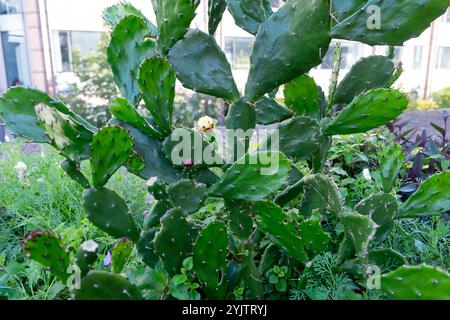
[46,38]
[426,90]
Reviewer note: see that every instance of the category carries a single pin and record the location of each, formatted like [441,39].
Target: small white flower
[89,246]
[366,174]
[206,124]
[21,168]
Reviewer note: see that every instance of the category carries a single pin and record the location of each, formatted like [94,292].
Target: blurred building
[37,39]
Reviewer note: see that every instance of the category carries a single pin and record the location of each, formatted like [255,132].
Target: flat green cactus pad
[173,18]
[302,97]
[241,19]
[281,229]
[391,162]
[45,248]
[69,136]
[314,238]
[187,195]
[146,247]
[110,213]
[381,208]
[158,210]
[216,9]
[72,169]
[417,283]
[278,56]
[125,112]
[386,259]
[361,230]
[269,111]
[100,285]
[253,177]
[111,148]
[368,111]
[241,115]
[150,149]
[18,113]
[174,241]
[120,253]
[294,143]
[112,16]
[320,193]
[378,22]
[210,253]
[201,65]
[157,83]
[368,73]
[128,48]
[431,198]
[240,220]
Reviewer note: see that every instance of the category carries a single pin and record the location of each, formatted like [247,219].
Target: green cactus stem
[111,148]
[110,213]
[45,247]
[210,253]
[281,229]
[128,48]
[100,285]
[278,57]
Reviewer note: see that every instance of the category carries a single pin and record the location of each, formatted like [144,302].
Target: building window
[15,58]
[417,57]
[443,60]
[238,51]
[67,42]
[9,6]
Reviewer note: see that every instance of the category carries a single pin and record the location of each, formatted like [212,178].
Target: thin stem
[334,77]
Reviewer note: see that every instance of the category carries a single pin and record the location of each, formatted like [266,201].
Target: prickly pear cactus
[173,18]
[130,32]
[253,178]
[367,111]
[314,238]
[391,162]
[114,14]
[110,213]
[302,96]
[281,229]
[226,247]
[111,148]
[201,65]
[45,248]
[368,73]
[431,198]
[187,195]
[210,253]
[157,82]
[174,241]
[361,230]
[278,57]
[72,169]
[123,111]
[120,253]
[381,208]
[216,9]
[100,285]
[378,22]
[417,283]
